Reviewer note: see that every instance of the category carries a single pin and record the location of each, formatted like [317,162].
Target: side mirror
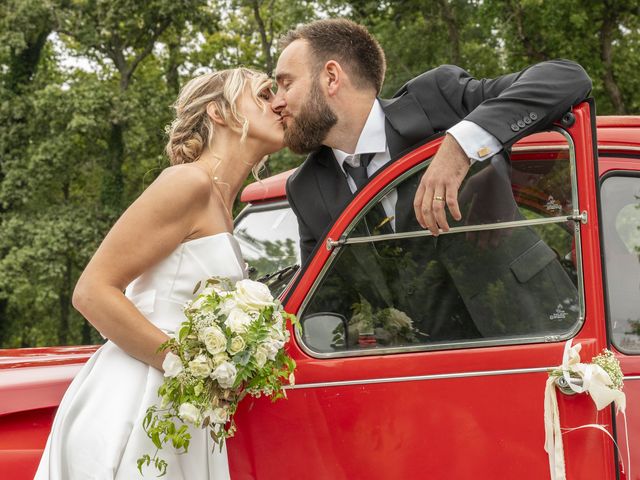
[325,332]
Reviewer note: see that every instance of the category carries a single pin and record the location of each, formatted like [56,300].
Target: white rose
[189,413]
[271,348]
[292,379]
[227,305]
[219,358]
[238,320]
[237,345]
[214,339]
[200,366]
[225,374]
[172,365]
[219,415]
[260,357]
[253,295]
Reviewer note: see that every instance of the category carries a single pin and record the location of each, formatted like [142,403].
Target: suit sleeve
[514,105]
[307,240]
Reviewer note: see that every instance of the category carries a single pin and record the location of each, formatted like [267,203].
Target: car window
[620,196]
[268,237]
[507,273]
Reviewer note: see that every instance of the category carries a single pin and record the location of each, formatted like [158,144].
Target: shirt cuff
[476,142]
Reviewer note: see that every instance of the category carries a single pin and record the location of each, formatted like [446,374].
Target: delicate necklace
[216,184]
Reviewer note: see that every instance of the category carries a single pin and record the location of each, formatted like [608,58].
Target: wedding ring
[438,198]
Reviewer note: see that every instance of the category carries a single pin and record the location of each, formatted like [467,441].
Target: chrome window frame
[336,245]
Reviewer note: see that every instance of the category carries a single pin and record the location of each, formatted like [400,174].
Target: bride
[175,234]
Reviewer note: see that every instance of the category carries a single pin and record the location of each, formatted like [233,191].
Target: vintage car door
[620,226]
[427,358]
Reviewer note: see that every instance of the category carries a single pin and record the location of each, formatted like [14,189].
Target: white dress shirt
[476,142]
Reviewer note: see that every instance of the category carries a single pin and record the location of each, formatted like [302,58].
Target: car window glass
[620,198]
[500,189]
[268,239]
[498,284]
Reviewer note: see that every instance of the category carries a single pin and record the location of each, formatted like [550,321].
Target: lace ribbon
[596,382]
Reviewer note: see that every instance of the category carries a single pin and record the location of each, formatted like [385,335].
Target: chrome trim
[540,148]
[467,228]
[618,147]
[576,226]
[418,378]
[633,377]
[550,148]
[260,207]
[335,245]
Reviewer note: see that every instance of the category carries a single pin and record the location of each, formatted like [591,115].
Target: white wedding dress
[97,432]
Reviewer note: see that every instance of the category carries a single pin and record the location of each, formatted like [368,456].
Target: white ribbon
[596,382]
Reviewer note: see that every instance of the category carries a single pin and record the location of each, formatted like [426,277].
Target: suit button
[533,116]
[521,124]
[527,120]
[515,127]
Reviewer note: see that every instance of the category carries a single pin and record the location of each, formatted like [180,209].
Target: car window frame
[334,245]
[605,282]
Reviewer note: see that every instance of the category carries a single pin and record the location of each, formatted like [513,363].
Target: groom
[329,75]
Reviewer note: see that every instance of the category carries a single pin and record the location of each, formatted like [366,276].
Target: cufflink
[483,152]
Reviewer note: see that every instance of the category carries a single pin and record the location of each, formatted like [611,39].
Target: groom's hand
[439,185]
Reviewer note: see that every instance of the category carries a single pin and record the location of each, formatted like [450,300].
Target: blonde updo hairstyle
[192,130]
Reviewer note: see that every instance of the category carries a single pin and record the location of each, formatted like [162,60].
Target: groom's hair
[347,42]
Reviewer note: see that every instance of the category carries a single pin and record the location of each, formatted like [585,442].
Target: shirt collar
[373,138]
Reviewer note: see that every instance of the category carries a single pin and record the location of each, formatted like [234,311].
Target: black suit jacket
[509,107]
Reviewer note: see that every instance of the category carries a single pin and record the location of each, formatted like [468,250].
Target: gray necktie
[359,174]
[376,218]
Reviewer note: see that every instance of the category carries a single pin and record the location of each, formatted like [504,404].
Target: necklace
[215,184]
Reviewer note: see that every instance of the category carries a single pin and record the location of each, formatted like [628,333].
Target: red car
[422,357]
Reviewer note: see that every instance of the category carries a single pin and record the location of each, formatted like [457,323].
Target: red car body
[469,413]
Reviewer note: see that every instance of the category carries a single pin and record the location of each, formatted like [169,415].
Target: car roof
[616,134]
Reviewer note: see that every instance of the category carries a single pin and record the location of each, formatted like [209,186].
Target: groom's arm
[504,110]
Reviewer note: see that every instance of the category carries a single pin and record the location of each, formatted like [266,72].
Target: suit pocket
[532,261]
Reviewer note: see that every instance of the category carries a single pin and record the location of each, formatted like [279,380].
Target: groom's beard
[310,127]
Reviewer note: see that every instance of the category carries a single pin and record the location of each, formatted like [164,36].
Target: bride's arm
[168,212]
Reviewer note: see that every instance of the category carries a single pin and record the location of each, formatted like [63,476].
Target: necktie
[359,174]
[377,219]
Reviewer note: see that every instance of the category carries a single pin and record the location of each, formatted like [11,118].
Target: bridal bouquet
[231,345]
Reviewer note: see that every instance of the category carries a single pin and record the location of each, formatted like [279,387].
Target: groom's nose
[278,102]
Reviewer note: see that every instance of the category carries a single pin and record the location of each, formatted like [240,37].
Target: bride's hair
[192,130]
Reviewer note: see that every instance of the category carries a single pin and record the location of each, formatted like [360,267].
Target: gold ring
[438,198]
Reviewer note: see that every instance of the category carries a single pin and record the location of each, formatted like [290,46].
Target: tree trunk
[264,39]
[449,17]
[113,181]
[173,62]
[609,24]
[532,47]
[65,303]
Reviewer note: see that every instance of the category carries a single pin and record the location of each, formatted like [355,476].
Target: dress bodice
[161,292]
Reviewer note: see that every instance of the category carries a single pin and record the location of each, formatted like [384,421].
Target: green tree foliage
[86,88]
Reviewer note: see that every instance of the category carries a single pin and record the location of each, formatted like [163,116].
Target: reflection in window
[269,240]
[621,233]
[518,283]
[496,190]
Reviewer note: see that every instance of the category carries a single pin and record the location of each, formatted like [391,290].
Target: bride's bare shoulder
[187,181]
